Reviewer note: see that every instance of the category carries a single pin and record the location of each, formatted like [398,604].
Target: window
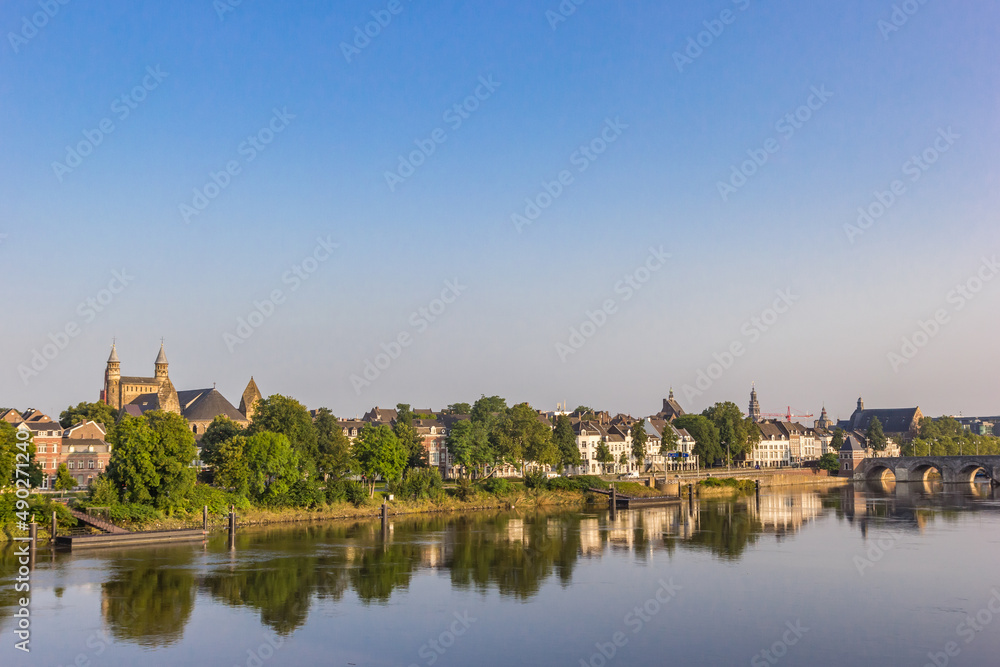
[69,465]
[41,449]
[90,465]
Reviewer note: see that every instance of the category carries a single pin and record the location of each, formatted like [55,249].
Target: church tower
[823,421]
[167,395]
[754,410]
[112,380]
[162,365]
[248,404]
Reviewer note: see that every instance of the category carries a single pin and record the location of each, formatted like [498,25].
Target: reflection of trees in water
[149,597]
[724,528]
[8,596]
[514,553]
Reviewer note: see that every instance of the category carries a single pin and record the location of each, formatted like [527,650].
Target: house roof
[853,442]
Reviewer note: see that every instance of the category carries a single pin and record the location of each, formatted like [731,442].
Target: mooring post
[385,519]
[232,527]
[33,536]
[55,527]
[204,518]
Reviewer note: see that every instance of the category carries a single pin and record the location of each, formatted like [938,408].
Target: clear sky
[120,121]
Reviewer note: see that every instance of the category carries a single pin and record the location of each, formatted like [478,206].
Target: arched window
[195,428]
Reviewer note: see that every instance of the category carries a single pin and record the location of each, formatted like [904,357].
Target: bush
[103,493]
[347,491]
[498,486]
[464,490]
[419,483]
[742,485]
[304,493]
[133,513]
[216,499]
[829,461]
[535,479]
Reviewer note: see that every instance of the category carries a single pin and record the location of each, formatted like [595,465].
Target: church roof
[135,379]
[893,420]
[206,405]
[161,358]
[114,355]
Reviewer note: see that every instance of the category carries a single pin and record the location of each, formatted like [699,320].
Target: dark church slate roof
[893,420]
[206,405]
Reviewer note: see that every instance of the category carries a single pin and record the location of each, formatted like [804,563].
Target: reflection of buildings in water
[786,512]
[515,530]
[590,537]
[653,524]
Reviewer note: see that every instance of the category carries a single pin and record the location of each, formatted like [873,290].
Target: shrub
[103,493]
[535,479]
[464,490]
[134,513]
[303,493]
[347,491]
[742,485]
[498,486]
[419,483]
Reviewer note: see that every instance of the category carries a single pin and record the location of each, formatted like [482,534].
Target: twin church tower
[137,395]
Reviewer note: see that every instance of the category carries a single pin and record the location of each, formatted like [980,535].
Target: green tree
[523,437]
[100,412]
[272,466]
[231,467]
[668,440]
[565,442]
[416,454]
[732,428]
[706,437]
[335,460]
[285,415]
[639,440]
[829,461]
[379,454]
[487,408]
[875,437]
[12,451]
[64,480]
[604,456]
[468,444]
[151,459]
[838,440]
[458,409]
[219,431]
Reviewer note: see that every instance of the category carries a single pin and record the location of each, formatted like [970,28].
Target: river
[845,576]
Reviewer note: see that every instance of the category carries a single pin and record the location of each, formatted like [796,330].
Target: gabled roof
[853,442]
[135,379]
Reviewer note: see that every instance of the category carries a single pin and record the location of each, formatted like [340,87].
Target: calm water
[851,576]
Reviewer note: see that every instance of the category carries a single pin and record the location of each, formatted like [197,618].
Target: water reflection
[282,573]
[149,596]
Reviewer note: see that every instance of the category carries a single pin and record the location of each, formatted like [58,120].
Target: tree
[413,442]
[565,442]
[705,434]
[285,415]
[583,410]
[522,437]
[639,440]
[230,465]
[64,480]
[469,446]
[875,437]
[732,428]
[623,459]
[404,414]
[219,431]
[838,440]
[12,451]
[272,466]
[458,409]
[829,461]
[335,460]
[604,456]
[100,412]
[668,440]
[379,454]
[151,459]
[487,407]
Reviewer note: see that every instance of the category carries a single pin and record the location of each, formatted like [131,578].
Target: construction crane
[788,416]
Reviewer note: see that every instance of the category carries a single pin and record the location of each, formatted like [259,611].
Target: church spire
[162,365]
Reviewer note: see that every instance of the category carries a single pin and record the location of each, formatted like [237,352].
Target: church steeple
[112,379]
[162,365]
[754,411]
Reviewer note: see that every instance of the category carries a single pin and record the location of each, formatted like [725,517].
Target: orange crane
[788,416]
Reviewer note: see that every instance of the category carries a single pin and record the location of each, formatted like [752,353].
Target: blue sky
[343,122]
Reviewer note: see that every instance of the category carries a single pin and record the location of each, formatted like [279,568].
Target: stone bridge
[953,469]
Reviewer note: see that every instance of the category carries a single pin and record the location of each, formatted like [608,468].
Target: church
[134,395]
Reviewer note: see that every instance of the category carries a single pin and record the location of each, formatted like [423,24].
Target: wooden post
[204,518]
[232,527]
[33,535]
[385,520]
[55,527]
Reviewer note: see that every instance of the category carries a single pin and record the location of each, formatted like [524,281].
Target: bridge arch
[881,472]
[922,471]
[969,471]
